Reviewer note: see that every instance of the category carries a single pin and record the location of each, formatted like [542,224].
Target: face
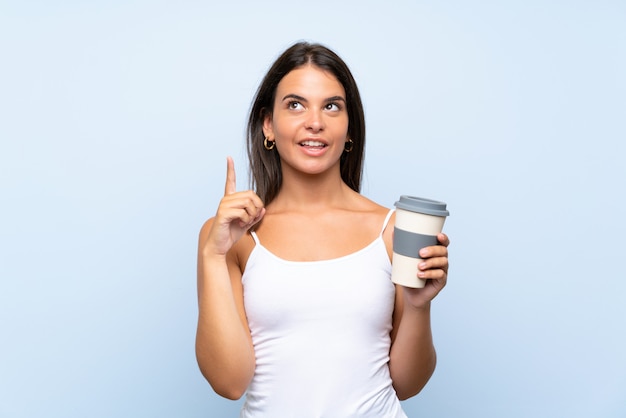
[309,121]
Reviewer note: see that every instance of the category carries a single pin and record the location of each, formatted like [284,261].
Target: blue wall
[115,121]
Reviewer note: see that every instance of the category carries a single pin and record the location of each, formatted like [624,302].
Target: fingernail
[422,266]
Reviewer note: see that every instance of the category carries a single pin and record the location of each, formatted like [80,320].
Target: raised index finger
[231,181]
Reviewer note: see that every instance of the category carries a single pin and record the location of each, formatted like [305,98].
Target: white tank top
[320,331]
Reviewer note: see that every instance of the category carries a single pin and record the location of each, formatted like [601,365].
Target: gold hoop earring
[349,145]
[269,145]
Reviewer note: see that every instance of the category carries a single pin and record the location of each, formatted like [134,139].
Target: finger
[432,274]
[247,200]
[239,216]
[435,263]
[433,251]
[428,270]
[256,211]
[231,181]
[443,239]
[249,220]
[245,206]
[258,217]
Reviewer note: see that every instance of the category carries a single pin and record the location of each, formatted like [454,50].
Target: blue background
[115,121]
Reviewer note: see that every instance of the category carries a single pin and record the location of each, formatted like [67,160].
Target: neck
[304,192]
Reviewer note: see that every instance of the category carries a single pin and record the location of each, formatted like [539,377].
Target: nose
[315,120]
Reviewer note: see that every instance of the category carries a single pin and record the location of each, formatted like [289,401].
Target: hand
[236,214]
[433,269]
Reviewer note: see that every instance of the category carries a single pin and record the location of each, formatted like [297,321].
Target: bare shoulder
[366,202]
[378,214]
[374,210]
[206,228]
[373,216]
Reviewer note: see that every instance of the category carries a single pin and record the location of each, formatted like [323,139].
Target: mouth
[313,144]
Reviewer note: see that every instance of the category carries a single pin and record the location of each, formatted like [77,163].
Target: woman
[296,306]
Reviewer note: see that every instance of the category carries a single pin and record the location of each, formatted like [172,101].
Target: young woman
[296,305]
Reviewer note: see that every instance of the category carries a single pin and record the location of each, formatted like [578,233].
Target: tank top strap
[391,211]
[255,238]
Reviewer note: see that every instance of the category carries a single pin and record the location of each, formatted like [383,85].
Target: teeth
[312,144]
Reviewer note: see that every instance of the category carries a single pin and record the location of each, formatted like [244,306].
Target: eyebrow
[302,99]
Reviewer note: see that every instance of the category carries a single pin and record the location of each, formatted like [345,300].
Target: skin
[313,201]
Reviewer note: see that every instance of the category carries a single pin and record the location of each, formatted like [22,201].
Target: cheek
[342,128]
[284,128]
[344,122]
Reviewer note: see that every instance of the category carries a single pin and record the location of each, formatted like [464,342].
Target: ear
[268,126]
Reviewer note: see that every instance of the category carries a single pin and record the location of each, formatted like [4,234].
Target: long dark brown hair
[265,170]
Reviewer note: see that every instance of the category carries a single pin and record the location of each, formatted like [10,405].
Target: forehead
[310,81]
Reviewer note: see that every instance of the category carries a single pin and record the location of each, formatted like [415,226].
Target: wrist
[421,309]
[211,251]
[212,258]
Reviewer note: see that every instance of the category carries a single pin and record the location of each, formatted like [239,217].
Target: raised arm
[223,344]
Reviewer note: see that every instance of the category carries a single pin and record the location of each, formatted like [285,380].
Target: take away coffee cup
[418,221]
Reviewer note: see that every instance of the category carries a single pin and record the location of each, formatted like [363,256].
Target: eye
[333,106]
[294,105]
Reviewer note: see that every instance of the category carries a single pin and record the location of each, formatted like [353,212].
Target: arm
[223,343]
[413,357]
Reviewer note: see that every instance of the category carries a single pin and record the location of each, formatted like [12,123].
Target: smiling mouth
[312,144]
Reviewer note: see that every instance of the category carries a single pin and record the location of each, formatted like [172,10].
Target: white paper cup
[418,221]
